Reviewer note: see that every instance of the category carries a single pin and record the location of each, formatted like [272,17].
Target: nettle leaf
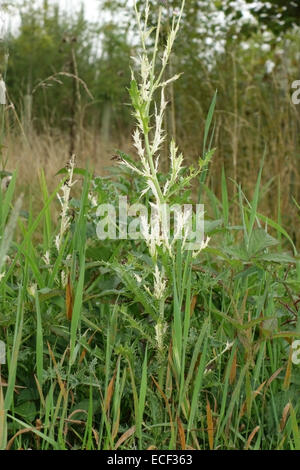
[211,225]
[237,252]
[278,258]
[260,240]
[249,272]
[81,409]
[220,254]
[26,395]
[27,410]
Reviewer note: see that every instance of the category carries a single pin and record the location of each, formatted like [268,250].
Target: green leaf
[46,293]
[26,410]
[260,240]
[295,428]
[237,252]
[211,225]
[127,158]
[76,171]
[254,204]
[275,225]
[278,258]
[134,94]
[209,120]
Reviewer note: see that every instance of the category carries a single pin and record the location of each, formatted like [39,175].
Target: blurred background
[66,64]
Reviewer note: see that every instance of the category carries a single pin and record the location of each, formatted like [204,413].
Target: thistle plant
[149,134]
[64,200]
[148,95]
[148,140]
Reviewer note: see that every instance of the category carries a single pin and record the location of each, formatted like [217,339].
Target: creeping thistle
[149,134]
[148,138]
[64,200]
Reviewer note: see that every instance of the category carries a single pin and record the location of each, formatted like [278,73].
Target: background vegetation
[250,59]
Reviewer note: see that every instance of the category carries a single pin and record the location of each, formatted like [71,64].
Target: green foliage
[51,48]
[278,15]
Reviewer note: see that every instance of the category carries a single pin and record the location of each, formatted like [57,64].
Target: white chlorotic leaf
[173,79]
